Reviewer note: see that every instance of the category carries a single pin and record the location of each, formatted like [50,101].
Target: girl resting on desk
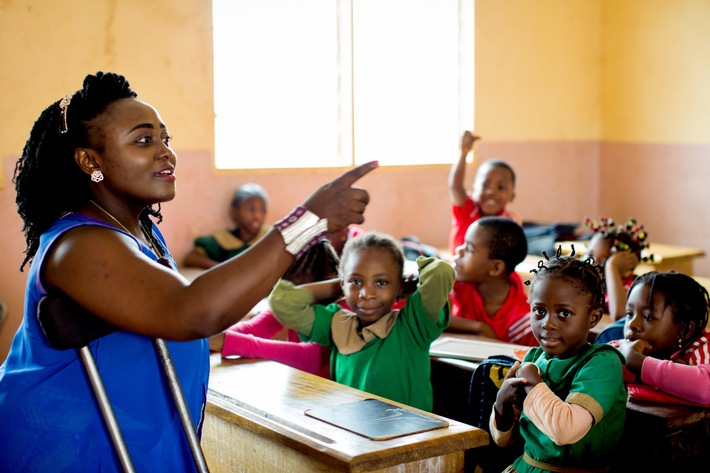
[375,348]
[666,340]
[568,396]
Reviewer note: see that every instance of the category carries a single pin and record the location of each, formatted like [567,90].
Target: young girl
[375,348]
[248,212]
[617,248]
[571,393]
[666,340]
[253,338]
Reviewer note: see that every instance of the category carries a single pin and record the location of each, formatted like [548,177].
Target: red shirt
[511,323]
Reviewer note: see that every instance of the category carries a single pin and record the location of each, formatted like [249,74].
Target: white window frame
[417,118]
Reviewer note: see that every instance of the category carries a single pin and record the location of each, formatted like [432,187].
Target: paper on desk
[474,350]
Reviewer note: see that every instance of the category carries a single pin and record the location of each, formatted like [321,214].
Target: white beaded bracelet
[302,229]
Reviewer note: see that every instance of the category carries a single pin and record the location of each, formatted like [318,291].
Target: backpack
[485,383]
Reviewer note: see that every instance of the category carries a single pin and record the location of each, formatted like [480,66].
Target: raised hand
[340,202]
[467,141]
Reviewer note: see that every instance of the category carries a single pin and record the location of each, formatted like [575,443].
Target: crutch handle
[66,324]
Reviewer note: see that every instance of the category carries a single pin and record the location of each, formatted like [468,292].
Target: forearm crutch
[67,325]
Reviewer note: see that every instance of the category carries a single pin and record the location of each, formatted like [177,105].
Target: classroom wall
[655,152]
[550,76]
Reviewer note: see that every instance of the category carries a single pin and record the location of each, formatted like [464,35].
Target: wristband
[301,230]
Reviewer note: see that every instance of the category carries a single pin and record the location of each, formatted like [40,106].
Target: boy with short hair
[493,189]
[488,297]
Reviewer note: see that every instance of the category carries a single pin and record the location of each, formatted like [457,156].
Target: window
[330,83]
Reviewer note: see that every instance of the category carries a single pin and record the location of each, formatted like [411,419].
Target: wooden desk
[255,422]
[661,438]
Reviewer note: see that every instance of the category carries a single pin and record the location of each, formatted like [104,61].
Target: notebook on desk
[474,350]
[376,420]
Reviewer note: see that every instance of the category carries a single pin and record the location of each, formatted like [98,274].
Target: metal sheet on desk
[474,350]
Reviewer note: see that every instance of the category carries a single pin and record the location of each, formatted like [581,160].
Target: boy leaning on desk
[488,297]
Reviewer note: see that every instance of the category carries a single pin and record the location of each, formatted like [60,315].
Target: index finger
[350,177]
[513,369]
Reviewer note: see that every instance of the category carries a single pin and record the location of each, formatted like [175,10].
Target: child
[253,338]
[488,297]
[248,212]
[618,249]
[375,348]
[493,189]
[666,340]
[571,393]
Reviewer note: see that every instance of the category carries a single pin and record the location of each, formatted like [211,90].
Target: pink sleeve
[309,357]
[263,325]
[688,382]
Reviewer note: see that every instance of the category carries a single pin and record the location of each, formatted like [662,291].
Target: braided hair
[687,298]
[47,165]
[586,276]
[374,240]
[629,237]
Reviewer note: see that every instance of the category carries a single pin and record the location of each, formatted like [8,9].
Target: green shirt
[396,367]
[592,379]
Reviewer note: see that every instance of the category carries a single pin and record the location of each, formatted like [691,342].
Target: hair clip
[63,106]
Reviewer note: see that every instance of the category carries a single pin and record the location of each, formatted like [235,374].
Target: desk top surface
[270,399]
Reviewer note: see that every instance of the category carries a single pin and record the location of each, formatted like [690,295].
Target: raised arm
[457,189]
[106,273]
[618,266]
[436,278]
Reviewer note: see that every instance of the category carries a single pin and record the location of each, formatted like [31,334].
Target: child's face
[493,189]
[599,248]
[561,316]
[471,261]
[249,216]
[656,326]
[371,282]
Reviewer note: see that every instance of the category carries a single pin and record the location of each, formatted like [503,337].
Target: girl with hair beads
[666,340]
[617,248]
[374,348]
[567,396]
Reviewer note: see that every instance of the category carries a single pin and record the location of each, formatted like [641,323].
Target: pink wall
[665,186]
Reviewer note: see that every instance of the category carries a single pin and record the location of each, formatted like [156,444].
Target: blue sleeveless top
[49,417]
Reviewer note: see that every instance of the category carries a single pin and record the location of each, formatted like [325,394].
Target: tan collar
[347,338]
[228,241]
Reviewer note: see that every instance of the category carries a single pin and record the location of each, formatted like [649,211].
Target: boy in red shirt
[488,297]
[493,189]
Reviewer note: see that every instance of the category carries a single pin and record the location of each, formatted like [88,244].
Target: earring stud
[97,176]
